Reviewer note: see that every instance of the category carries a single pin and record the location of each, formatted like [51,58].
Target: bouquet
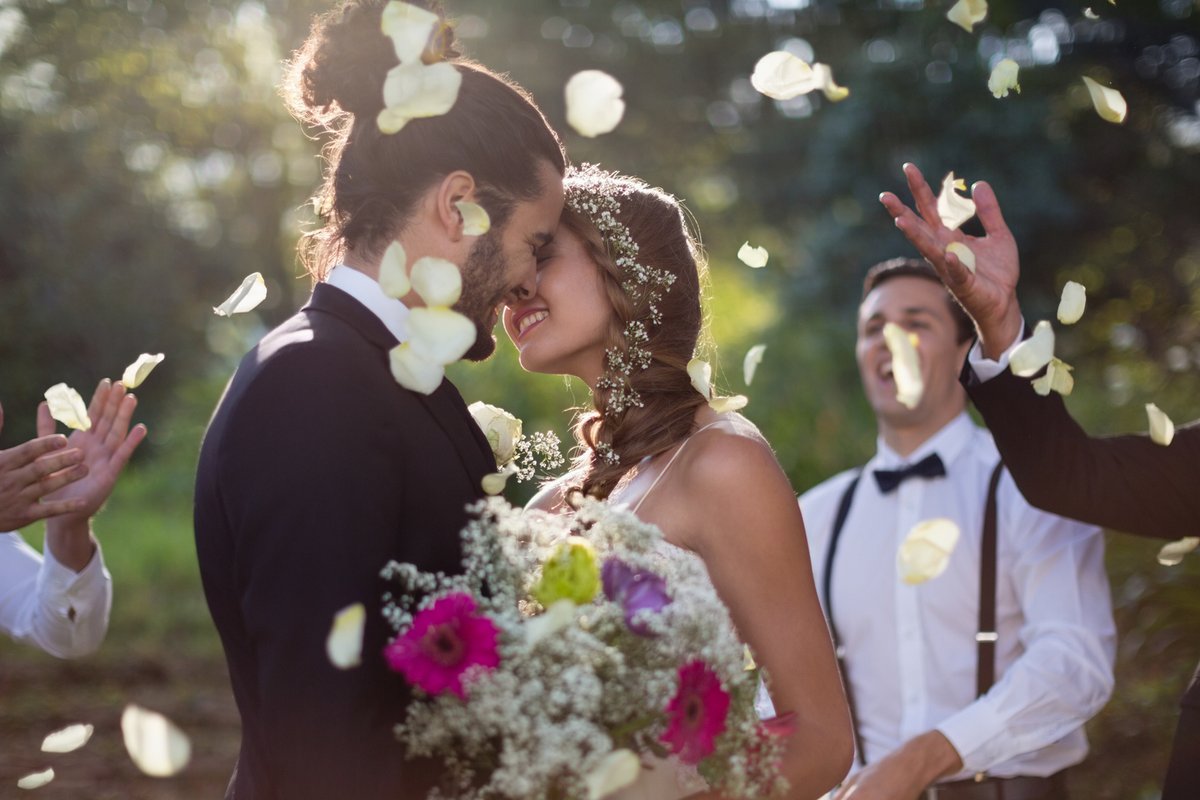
[570,650]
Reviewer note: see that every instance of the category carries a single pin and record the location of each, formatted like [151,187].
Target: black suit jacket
[1127,483]
[316,470]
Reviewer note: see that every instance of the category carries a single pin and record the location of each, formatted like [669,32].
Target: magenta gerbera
[696,714]
[445,641]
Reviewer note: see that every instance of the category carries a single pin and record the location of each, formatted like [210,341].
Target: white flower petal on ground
[782,76]
[823,75]
[413,371]
[156,745]
[440,335]
[1072,303]
[409,27]
[246,298]
[723,404]
[67,739]
[615,771]
[137,372]
[952,207]
[1162,430]
[754,357]
[753,257]
[1004,78]
[67,407]
[393,271]
[1033,353]
[594,104]
[1109,103]
[36,780]
[966,14]
[1172,553]
[964,254]
[344,643]
[414,91]
[926,550]
[700,371]
[437,281]
[559,615]
[1057,379]
[476,221]
[906,365]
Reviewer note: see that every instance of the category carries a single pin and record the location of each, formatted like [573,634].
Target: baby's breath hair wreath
[591,192]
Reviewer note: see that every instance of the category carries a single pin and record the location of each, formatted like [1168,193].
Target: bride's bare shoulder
[730,453]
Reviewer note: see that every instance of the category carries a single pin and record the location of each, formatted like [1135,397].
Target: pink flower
[445,641]
[696,714]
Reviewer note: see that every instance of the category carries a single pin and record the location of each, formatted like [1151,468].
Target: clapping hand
[32,471]
[989,294]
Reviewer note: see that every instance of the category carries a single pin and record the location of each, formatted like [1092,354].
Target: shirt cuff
[970,731]
[985,368]
[74,595]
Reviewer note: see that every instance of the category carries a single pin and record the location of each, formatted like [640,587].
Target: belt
[1053,787]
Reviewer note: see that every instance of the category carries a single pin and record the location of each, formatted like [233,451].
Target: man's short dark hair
[885,271]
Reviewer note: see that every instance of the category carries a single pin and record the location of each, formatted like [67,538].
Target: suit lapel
[447,407]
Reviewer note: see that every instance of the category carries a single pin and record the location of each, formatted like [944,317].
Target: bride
[618,305]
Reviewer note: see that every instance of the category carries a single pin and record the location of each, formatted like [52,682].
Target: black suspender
[985,637]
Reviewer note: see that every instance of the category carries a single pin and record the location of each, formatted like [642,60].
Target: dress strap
[671,461]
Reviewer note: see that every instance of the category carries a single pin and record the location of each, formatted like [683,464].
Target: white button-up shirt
[911,650]
[366,290]
[48,605]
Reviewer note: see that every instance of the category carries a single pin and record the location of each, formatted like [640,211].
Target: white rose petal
[615,771]
[559,615]
[754,357]
[594,104]
[1173,552]
[926,550]
[1162,430]
[968,13]
[476,221]
[952,207]
[67,407]
[414,91]
[1004,78]
[137,372]
[437,281]
[154,743]
[754,257]
[413,371]
[906,365]
[1074,299]
[1033,353]
[823,75]
[36,780]
[1057,379]
[1109,103]
[246,298]
[344,643]
[782,76]
[68,739]
[1087,12]
[409,27]
[393,271]
[700,371]
[964,254]
[723,404]
[502,429]
[439,335]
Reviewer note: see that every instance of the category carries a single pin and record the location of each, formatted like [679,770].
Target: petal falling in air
[440,335]
[344,643]
[963,253]
[476,221]
[594,104]
[754,357]
[926,550]
[1172,553]
[952,207]
[415,91]
[1109,103]
[67,739]
[906,365]
[1034,353]
[966,14]
[409,27]
[615,771]
[782,76]
[393,271]
[137,372]
[700,371]
[156,745]
[413,371]
[67,407]
[823,75]
[1162,430]
[1004,78]
[1057,379]
[1074,299]
[437,281]
[36,780]
[753,257]
[246,298]
[722,405]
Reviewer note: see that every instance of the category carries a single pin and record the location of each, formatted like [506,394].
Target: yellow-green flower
[570,573]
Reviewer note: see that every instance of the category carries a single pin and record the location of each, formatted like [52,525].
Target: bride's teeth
[530,319]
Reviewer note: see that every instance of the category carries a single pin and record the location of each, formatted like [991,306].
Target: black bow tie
[928,467]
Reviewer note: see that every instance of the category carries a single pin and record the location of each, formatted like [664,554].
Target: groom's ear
[458,185]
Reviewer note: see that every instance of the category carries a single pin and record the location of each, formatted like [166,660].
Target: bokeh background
[147,165]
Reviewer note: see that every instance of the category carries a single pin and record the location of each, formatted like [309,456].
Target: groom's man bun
[373,180]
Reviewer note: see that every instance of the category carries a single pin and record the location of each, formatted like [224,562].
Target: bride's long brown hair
[657,223]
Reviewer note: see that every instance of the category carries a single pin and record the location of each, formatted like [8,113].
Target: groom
[318,468]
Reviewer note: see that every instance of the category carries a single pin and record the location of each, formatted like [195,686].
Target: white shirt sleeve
[1065,674]
[50,606]
[985,368]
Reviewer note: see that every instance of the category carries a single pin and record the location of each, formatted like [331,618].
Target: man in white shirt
[59,600]
[947,702]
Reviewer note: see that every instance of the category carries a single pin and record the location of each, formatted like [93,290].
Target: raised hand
[990,293]
[30,472]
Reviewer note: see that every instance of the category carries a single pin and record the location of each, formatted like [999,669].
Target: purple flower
[635,590]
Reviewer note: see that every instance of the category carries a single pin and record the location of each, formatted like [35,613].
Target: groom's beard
[485,283]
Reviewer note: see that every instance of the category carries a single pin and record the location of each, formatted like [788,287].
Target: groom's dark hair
[373,180]
[885,271]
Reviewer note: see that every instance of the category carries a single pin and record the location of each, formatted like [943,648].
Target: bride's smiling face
[562,329]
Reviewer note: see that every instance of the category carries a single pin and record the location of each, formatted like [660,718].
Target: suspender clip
[986,636]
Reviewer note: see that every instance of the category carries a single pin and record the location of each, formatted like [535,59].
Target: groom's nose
[524,290]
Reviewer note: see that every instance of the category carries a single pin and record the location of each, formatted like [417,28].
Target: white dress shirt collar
[365,289]
[947,443]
